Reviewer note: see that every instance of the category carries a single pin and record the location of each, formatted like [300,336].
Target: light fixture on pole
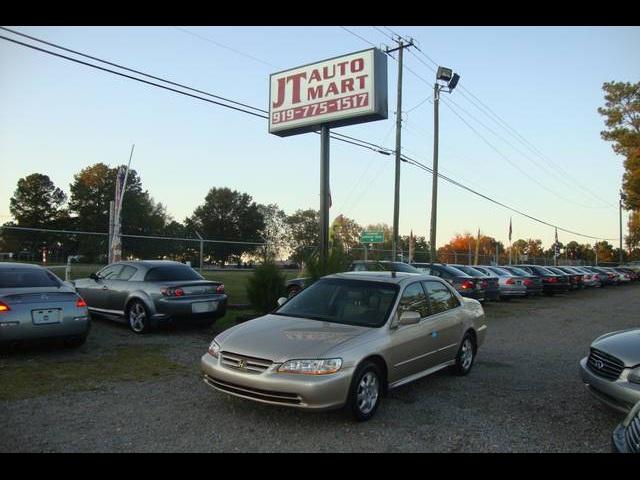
[449,80]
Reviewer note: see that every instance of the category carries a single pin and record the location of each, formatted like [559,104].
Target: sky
[526,133]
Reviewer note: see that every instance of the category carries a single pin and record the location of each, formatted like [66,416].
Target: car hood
[624,344]
[280,338]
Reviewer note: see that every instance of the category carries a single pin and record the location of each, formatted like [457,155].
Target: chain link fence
[78,252]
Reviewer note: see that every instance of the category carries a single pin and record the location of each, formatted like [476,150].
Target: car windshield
[170,273]
[349,302]
[471,271]
[501,272]
[383,267]
[27,277]
[519,271]
[544,271]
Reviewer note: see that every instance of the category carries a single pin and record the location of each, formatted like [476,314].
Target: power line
[345,138]
[207,39]
[158,85]
[356,35]
[106,62]
[483,108]
[134,78]
[486,197]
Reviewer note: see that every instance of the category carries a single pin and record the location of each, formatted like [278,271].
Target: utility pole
[452,79]
[324,197]
[396,198]
[622,197]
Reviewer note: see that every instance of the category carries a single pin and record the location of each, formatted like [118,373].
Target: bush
[265,286]
[337,261]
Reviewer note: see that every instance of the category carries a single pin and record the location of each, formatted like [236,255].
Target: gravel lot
[524,395]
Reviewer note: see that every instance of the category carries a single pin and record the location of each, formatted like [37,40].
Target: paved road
[524,395]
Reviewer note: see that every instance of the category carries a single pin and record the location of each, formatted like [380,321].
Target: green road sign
[372,237]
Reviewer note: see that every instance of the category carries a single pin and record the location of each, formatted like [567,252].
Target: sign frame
[378,99]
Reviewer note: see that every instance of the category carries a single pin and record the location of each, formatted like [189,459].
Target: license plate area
[202,307]
[46,316]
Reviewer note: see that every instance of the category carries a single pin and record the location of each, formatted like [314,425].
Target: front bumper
[621,395]
[306,392]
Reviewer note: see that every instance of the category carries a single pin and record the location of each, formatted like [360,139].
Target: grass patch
[123,363]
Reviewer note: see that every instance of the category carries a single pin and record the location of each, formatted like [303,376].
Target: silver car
[149,292]
[36,305]
[346,340]
[611,371]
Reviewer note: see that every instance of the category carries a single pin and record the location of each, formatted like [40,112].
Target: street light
[450,81]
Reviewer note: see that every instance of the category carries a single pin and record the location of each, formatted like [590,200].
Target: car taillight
[220,288]
[4,307]
[80,303]
[552,280]
[172,292]
[484,284]
[467,284]
[527,282]
[510,281]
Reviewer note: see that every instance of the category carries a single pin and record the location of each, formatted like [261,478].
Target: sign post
[336,92]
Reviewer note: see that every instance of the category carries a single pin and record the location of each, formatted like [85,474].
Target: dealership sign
[336,92]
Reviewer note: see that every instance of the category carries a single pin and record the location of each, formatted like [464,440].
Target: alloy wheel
[368,391]
[137,317]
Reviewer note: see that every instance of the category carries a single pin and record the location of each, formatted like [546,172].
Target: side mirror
[281,301]
[409,318]
[94,276]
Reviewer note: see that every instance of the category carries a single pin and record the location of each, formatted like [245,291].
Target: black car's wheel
[365,392]
[466,355]
[138,317]
[76,342]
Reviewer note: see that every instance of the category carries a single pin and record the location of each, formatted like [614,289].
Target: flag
[510,229]
[330,200]
[556,245]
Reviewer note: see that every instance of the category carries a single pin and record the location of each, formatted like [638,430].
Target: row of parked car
[491,282]
[324,347]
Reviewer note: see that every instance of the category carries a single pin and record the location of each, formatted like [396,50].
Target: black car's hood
[624,344]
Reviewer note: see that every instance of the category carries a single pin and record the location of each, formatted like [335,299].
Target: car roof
[21,265]
[386,277]
[150,263]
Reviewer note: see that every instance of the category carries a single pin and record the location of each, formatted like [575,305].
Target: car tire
[76,342]
[138,317]
[365,392]
[466,355]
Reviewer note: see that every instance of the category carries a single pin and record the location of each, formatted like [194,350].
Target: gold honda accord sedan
[346,340]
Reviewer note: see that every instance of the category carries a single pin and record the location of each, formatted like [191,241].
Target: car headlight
[311,367]
[634,375]
[214,349]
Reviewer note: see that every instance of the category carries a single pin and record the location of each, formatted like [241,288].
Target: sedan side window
[126,273]
[414,299]
[110,273]
[440,297]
